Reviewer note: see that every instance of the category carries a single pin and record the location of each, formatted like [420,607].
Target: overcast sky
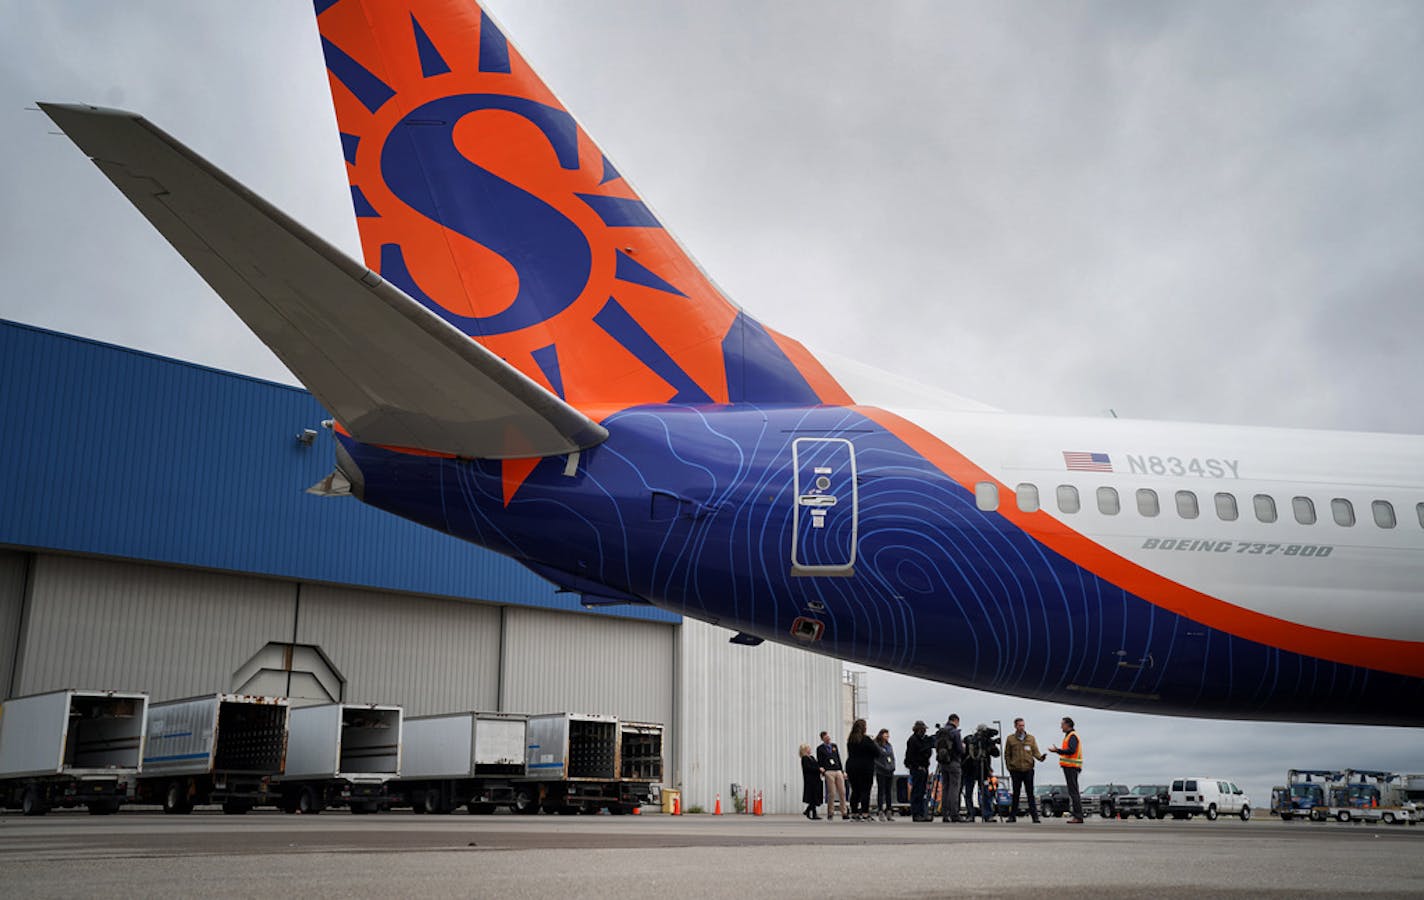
[1199,211]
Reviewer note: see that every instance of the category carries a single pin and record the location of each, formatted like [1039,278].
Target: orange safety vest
[1075,761]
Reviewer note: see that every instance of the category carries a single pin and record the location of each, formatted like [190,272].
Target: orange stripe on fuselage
[1382,654]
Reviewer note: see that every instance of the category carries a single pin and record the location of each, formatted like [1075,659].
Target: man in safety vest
[1070,760]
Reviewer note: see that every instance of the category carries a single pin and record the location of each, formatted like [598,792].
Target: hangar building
[155,535]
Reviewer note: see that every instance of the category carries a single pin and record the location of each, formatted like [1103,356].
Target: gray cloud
[1208,211]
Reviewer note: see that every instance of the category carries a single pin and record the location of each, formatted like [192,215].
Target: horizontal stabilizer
[391,372]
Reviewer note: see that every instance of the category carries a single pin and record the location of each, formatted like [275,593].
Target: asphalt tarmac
[147,854]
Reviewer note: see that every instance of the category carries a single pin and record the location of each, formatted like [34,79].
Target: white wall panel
[566,662]
[12,605]
[128,626]
[743,711]
[428,655]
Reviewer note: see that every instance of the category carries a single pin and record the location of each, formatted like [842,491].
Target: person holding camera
[982,746]
[1020,752]
[949,751]
[917,759]
[1070,760]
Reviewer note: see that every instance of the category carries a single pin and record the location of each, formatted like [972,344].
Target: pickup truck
[1145,801]
[1102,799]
[1053,800]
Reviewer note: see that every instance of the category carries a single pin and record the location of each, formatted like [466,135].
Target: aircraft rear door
[824,519]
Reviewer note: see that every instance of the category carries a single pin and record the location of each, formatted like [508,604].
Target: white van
[1210,797]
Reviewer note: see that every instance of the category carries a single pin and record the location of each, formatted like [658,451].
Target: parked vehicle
[469,759]
[1209,797]
[221,748]
[1053,800]
[70,748]
[1144,801]
[1368,795]
[1101,799]
[1304,794]
[340,754]
[574,763]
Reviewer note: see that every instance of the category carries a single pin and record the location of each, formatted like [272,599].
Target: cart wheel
[524,803]
[31,804]
[175,799]
[307,802]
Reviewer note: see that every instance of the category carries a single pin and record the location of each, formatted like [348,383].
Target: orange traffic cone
[677,806]
[756,807]
[717,810]
[637,810]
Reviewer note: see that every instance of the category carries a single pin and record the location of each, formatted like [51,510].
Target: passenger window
[1191,785]
[1187,505]
[1384,513]
[1068,500]
[1304,510]
[1147,503]
[1108,504]
[1028,497]
[986,496]
[1343,511]
[1265,507]
[1226,507]
[1177,786]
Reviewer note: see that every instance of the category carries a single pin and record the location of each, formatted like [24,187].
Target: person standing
[917,759]
[828,758]
[1020,752]
[861,754]
[1070,760]
[885,777]
[810,782]
[949,751]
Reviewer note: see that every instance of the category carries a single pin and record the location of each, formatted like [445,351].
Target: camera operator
[981,747]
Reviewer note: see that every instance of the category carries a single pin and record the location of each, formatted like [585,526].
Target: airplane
[526,358]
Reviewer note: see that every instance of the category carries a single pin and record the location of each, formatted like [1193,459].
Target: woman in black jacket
[810,782]
[862,754]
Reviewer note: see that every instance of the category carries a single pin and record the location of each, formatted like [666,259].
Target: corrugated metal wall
[113,452]
[743,711]
[427,655]
[582,663]
[12,605]
[123,626]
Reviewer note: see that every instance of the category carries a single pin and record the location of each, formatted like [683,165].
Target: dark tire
[308,803]
[32,804]
[1286,817]
[237,807]
[1211,813]
[1107,811]
[524,802]
[434,803]
[1387,818]
[480,809]
[1245,813]
[1342,816]
[175,799]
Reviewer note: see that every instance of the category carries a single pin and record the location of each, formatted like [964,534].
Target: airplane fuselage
[913,542]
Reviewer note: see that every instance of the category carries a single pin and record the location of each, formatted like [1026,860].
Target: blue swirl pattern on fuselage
[941,588]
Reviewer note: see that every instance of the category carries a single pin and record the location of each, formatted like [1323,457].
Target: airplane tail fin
[479,195]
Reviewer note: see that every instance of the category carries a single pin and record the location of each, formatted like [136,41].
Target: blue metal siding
[115,452]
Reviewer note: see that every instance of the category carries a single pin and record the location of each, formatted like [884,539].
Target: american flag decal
[1087,462]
